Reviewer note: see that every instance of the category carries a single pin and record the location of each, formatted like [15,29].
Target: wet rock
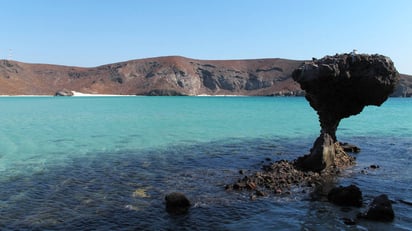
[322,155]
[338,87]
[281,176]
[379,210]
[374,166]
[350,147]
[177,203]
[346,196]
[260,193]
[349,221]
[407,202]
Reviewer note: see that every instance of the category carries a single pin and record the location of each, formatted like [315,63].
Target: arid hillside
[172,75]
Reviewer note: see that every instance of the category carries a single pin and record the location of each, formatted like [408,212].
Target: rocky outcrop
[340,86]
[162,76]
[282,176]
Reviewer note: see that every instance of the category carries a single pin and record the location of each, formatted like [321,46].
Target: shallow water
[107,163]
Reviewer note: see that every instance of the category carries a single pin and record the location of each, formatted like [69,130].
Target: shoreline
[81,94]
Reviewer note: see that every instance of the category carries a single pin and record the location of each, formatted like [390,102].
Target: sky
[90,33]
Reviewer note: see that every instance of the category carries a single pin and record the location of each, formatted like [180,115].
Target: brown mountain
[172,75]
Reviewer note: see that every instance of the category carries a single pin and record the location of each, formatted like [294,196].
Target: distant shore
[81,94]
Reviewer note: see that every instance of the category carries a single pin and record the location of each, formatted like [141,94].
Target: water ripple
[125,190]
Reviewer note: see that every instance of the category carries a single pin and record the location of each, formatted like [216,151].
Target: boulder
[338,87]
[177,203]
[346,196]
[379,210]
[164,92]
[63,93]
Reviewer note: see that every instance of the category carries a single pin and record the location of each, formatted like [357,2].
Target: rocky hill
[172,75]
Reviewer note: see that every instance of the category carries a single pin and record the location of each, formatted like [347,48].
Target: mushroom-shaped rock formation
[340,86]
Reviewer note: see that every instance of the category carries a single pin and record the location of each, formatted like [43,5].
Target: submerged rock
[177,203]
[379,210]
[340,86]
[350,147]
[346,196]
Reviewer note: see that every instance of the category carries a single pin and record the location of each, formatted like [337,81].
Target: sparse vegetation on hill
[172,75]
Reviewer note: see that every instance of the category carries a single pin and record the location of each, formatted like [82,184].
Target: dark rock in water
[346,196]
[64,93]
[177,203]
[350,147]
[374,166]
[407,202]
[340,86]
[349,221]
[260,193]
[379,210]
[281,176]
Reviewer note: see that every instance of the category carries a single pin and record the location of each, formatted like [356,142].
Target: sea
[106,163]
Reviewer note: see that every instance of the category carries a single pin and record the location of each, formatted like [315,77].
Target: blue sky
[96,32]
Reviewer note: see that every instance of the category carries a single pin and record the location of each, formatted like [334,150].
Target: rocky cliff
[172,75]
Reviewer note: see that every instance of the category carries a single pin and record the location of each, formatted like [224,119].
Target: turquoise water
[45,129]
[107,162]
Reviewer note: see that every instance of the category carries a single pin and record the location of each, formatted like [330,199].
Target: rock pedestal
[340,86]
